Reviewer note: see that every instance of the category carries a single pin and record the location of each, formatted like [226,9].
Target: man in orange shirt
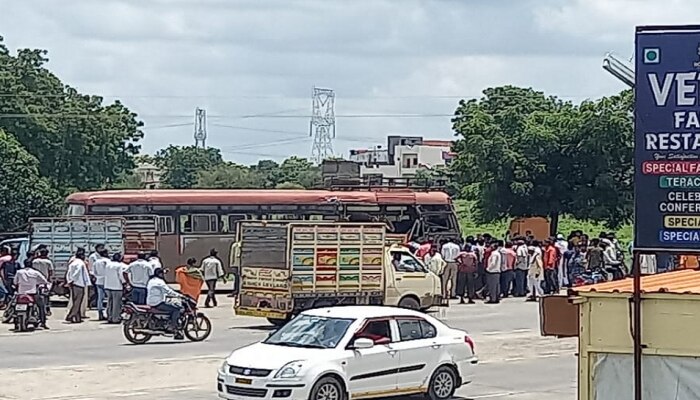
[550,260]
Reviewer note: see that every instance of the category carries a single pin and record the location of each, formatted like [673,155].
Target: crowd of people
[484,267]
[108,279]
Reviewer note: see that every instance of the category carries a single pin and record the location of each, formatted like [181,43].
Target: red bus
[191,222]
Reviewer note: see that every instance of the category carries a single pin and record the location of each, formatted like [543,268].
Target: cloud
[163,58]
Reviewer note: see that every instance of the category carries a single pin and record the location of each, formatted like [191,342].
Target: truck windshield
[311,332]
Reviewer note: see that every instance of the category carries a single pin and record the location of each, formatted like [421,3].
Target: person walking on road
[213,271]
[493,273]
[450,250]
[114,287]
[137,275]
[98,271]
[78,281]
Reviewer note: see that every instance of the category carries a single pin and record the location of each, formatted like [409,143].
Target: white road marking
[130,394]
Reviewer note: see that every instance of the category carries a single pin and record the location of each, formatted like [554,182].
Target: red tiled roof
[437,143]
[685,281]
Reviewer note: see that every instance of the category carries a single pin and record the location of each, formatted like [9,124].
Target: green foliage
[24,193]
[228,176]
[521,153]
[182,165]
[79,142]
[289,185]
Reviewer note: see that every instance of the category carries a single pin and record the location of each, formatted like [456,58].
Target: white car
[351,352]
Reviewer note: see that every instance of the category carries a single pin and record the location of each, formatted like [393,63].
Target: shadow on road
[264,328]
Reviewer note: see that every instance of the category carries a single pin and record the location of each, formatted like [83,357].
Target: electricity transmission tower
[200,128]
[322,126]
[620,69]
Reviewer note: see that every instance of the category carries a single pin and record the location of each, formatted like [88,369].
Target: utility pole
[200,127]
[322,126]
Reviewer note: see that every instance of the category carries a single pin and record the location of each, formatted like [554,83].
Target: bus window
[230,222]
[109,209]
[205,223]
[75,210]
[165,225]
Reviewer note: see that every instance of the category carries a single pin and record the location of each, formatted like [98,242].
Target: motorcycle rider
[26,280]
[158,294]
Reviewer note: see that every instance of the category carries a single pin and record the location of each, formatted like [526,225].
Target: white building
[149,174]
[403,157]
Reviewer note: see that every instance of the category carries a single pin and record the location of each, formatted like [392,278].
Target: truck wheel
[410,303]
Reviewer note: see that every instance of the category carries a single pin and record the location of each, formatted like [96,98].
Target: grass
[566,225]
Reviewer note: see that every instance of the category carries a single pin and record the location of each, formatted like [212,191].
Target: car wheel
[327,388]
[443,384]
[410,303]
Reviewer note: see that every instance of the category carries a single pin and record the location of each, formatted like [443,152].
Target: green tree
[229,176]
[182,165]
[300,171]
[521,153]
[24,193]
[79,142]
[289,186]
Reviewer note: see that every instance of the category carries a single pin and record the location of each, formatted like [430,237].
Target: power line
[220,116]
[283,97]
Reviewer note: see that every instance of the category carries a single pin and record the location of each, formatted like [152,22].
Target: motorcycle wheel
[131,335]
[198,328]
[9,316]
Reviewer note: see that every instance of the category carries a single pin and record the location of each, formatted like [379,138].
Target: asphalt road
[94,361]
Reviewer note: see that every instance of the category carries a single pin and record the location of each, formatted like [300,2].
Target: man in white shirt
[450,251]
[27,280]
[522,264]
[114,287]
[98,271]
[562,246]
[158,293]
[493,273]
[78,280]
[434,261]
[213,270]
[138,273]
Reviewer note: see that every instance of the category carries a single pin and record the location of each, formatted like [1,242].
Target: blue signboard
[667,139]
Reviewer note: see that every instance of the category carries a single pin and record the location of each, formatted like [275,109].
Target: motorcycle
[141,322]
[26,310]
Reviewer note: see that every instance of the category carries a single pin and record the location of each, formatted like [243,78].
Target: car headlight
[223,369]
[290,370]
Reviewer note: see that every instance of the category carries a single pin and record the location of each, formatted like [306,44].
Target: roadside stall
[602,314]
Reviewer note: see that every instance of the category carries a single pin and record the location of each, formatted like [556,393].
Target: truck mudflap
[440,301]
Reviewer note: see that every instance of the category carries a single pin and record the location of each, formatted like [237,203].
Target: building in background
[149,174]
[403,157]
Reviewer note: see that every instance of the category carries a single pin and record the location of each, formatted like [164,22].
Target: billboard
[667,139]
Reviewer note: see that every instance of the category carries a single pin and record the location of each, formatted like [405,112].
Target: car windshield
[311,331]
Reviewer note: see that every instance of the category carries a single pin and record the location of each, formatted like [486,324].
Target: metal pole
[637,323]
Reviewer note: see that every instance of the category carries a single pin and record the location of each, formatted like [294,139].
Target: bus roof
[251,197]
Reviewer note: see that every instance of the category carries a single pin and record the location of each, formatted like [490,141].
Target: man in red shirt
[550,260]
[466,271]
[507,274]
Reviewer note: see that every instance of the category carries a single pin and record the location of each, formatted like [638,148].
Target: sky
[397,67]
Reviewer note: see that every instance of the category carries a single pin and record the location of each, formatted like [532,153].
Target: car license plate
[21,307]
[244,381]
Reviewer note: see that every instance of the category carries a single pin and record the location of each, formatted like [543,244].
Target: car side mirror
[362,343]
